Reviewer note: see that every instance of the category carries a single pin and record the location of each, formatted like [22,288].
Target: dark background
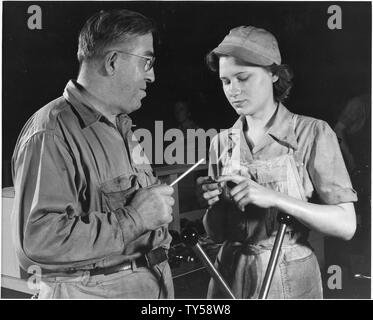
[330,66]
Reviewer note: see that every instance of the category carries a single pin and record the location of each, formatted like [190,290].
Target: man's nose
[150,75]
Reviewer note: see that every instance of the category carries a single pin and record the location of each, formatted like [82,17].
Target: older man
[86,212]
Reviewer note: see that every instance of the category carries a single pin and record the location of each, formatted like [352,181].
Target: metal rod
[190,238]
[272,262]
[361,276]
[212,270]
[186,172]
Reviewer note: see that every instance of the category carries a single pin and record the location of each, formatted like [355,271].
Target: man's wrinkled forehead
[140,44]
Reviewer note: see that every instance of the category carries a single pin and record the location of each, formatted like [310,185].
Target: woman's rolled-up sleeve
[327,169]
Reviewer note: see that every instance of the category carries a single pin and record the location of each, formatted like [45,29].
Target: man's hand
[154,205]
[208,191]
[248,191]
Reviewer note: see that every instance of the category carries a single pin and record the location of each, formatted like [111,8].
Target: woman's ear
[274,78]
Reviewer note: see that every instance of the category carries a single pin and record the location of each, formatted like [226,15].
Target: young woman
[270,161]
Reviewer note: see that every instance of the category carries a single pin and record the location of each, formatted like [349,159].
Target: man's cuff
[131,223]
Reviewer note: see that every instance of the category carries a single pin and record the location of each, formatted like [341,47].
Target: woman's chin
[242,111]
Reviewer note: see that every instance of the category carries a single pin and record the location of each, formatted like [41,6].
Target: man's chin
[137,107]
[134,108]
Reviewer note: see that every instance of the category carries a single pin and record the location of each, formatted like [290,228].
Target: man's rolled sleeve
[130,222]
[129,219]
[327,168]
[56,226]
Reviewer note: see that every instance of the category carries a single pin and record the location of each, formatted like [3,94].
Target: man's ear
[111,60]
[274,78]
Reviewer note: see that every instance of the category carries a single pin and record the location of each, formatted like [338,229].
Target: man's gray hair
[106,28]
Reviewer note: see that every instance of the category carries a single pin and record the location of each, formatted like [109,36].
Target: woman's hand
[208,191]
[333,220]
[248,191]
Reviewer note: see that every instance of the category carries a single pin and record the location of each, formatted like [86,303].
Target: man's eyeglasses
[149,60]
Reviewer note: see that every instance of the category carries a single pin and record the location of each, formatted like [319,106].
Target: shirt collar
[124,122]
[282,128]
[74,93]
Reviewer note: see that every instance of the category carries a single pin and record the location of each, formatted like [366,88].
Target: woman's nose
[234,89]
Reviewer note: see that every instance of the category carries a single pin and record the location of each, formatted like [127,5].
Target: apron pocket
[301,276]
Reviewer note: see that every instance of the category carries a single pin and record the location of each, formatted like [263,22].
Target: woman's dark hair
[281,88]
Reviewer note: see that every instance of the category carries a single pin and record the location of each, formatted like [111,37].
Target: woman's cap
[252,45]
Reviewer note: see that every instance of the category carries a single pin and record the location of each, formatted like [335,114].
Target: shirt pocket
[304,178]
[300,167]
[145,176]
[118,192]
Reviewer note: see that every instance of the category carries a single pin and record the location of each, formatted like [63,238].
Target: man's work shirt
[318,163]
[74,176]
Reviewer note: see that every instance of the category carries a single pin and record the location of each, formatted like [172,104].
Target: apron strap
[295,186]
